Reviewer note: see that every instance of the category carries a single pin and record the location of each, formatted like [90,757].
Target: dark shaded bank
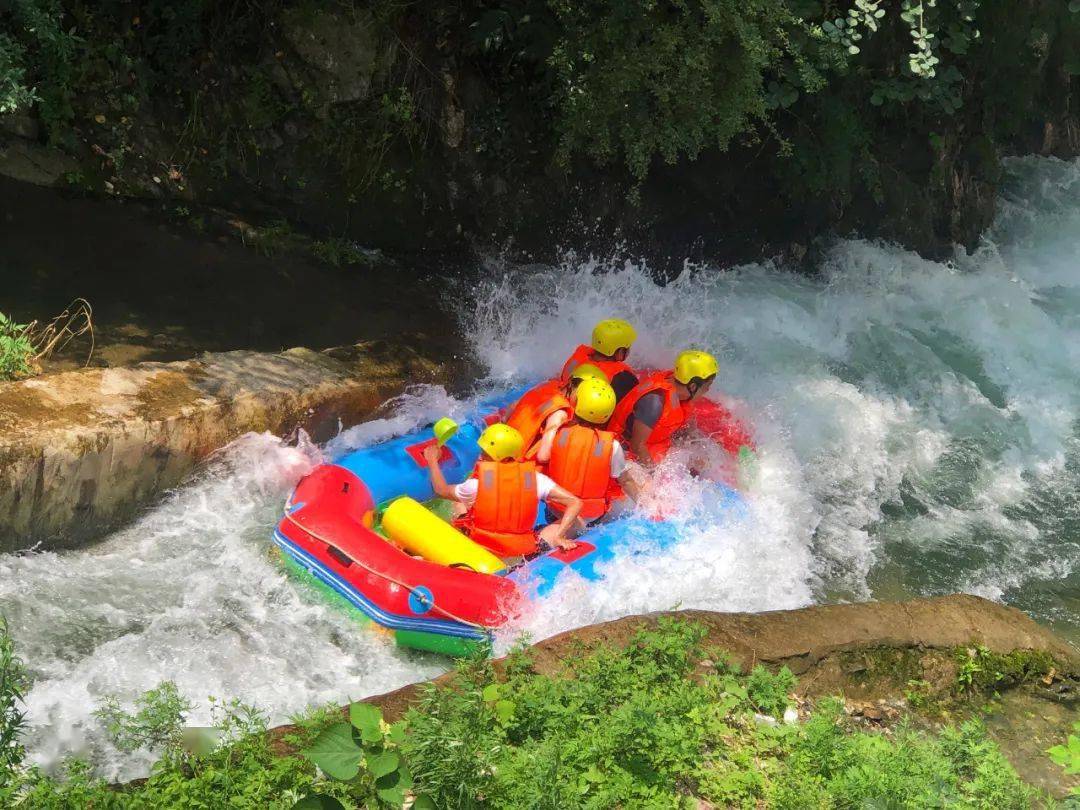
[162,291]
[712,129]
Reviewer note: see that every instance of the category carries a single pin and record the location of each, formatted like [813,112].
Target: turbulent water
[918,433]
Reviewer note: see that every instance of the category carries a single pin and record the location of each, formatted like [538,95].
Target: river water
[918,430]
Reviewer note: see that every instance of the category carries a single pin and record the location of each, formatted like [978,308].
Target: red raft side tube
[327,530]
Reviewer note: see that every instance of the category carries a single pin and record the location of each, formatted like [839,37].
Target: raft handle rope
[424,598]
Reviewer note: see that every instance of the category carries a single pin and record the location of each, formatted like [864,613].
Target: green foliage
[39,62]
[768,692]
[981,670]
[647,728]
[1068,755]
[156,724]
[364,750]
[340,252]
[242,770]
[14,92]
[12,717]
[960,768]
[661,723]
[16,349]
[274,238]
[645,80]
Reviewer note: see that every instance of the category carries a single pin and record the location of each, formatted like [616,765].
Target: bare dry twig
[53,336]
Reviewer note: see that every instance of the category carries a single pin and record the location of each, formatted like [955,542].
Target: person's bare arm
[438,480]
[547,440]
[629,485]
[639,435]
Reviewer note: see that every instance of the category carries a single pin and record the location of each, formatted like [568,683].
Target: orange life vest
[672,417]
[534,409]
[504,515]
[581,463]
[584,354]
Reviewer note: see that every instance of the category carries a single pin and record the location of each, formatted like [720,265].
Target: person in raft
[542,410]
[587,460]
[661,404]
[503,495]
[611,342]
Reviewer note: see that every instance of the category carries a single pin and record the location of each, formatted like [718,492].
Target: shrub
[157,724]
[1068,756]
[16,349]
[12,717]
[769,692]
[339,252]
[657,724]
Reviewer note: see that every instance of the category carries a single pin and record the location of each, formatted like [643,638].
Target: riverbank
[164,289]
[788,709]
[889,660]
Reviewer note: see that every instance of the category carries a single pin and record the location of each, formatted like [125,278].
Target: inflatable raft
[357,525]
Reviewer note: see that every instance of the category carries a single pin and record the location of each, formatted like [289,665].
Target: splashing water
[918,431]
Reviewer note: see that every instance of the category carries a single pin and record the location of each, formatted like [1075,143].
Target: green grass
[663,723]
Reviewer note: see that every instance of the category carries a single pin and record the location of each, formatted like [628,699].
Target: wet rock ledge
[81,451]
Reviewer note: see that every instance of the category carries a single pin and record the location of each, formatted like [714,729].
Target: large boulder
[82,450]
[343,47]
[31,162]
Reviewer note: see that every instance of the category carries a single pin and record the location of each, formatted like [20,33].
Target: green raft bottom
[410,639]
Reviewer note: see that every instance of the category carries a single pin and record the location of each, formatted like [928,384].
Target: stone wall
[81,451]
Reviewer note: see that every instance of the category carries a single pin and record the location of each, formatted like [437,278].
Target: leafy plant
[981,670]
[1068,755]
[12,717]
[365,744]
[768,692]
[339,252]
[157,723]
[661,723]
[16,349]
[274,238]
[14,92]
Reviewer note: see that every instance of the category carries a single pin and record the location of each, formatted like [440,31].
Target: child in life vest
[587,460]
[502,497]
[542,410]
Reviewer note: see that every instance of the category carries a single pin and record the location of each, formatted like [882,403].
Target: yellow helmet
[501,442]
[692,364]
[595,401]
[611,335]
[587,371]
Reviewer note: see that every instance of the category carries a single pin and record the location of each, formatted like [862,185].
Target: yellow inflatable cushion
[418,531]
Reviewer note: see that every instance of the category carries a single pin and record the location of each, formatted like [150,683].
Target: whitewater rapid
[917,425]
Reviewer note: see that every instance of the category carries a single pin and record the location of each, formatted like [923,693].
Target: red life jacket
[581,463]
[504,515]
[534,409]
[585,354]
[674,415]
